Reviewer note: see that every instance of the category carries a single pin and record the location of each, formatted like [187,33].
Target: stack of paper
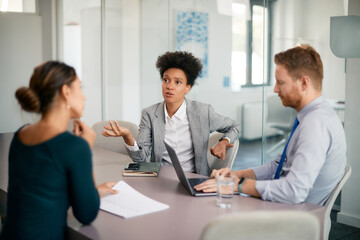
[129,203]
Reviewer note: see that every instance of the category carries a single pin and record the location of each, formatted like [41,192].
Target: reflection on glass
[136,34]
[81,48]
[250,46]
[28,6]
[259,59]
[287,32]
[238,55]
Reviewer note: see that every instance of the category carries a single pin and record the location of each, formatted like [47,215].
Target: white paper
[129,203]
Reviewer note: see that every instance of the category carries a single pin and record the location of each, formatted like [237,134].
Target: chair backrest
[259,225]
[331,200]
[214,162]
[115,144]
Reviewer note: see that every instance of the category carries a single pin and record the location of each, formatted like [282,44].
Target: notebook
[188,183]
[146,169]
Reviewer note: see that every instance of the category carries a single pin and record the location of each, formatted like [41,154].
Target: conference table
[186,217]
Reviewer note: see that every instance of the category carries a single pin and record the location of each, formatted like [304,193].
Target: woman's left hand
[219,150]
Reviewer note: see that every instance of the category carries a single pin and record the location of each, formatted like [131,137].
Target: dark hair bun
[28,99]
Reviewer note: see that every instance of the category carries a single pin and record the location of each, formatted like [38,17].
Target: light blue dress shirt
[315,162]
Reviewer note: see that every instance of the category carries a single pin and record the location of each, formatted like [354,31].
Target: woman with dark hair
[183,124]
[50,168]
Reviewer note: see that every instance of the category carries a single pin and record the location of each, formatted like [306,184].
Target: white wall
[26,40]
[350,196]
[20,52]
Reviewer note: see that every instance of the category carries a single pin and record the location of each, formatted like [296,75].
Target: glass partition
[80,46]
[23,6]
[114,46]
[293,25]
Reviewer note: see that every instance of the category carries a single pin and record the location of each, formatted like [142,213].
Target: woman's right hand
[84,131]
[106,188]
[115,130]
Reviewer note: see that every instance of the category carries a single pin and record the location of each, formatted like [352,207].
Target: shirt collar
[180,113]
[317,101]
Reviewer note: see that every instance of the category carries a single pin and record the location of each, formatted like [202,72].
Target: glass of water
[225,190]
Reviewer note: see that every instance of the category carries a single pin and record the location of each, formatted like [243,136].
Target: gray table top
[185,218]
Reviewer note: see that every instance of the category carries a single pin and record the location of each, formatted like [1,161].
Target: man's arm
[248,187]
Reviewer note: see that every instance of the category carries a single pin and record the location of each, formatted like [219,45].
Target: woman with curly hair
[184,124]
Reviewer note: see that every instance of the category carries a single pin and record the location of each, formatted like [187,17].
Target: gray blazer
[202,119]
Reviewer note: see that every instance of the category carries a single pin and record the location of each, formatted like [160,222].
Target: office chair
[279,118]
[115,144]
[216,163]
[331,200]
[259,225]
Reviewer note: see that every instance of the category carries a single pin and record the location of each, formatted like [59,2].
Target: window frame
[249,49]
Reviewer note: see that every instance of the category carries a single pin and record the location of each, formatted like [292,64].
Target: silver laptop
[188,183]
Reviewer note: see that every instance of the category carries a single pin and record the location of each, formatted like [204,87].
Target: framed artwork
[192,35]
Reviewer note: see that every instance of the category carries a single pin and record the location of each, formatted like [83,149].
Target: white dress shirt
[178,136]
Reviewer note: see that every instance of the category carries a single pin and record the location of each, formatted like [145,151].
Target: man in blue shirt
[315,157]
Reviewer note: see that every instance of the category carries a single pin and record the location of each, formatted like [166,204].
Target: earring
[68,106]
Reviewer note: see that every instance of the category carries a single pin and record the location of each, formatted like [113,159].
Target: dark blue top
[44,180]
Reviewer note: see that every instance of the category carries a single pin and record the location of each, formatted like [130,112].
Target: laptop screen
[181,175]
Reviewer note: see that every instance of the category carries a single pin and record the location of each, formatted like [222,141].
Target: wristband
[225,138]
[241,182]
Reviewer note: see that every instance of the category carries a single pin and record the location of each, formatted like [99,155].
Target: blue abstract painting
[192,35]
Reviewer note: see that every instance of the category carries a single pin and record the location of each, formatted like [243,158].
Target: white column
[350,197]
[131,61]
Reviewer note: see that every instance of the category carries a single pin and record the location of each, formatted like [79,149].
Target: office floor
[249,155]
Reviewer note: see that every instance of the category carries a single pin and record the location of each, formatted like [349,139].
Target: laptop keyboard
[195,181]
